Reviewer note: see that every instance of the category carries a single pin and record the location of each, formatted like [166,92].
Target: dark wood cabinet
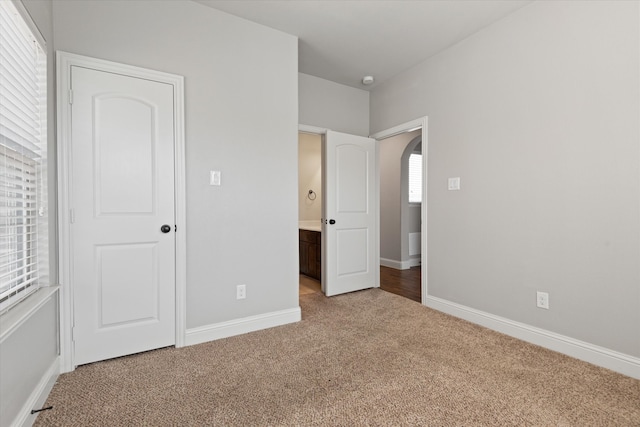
[310,253]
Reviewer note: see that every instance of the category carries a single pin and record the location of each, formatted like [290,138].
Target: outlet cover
[241,291]
[542,300]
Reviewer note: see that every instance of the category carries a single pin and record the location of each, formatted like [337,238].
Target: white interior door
[122,192]
[349,225]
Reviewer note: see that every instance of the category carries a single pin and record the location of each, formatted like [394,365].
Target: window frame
[418,162]
[24,161]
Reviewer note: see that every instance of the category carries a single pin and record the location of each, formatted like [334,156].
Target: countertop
[310,225]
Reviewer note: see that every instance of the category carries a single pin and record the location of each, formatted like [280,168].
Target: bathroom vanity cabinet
[310,253]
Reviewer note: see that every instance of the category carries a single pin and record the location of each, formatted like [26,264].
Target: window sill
[16,316]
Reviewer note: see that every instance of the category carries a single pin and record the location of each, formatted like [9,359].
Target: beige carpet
[364,359]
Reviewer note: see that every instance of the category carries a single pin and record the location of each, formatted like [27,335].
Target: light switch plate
[454,183]
[214,178]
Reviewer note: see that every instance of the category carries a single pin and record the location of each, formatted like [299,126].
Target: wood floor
[405,283]
[309,285]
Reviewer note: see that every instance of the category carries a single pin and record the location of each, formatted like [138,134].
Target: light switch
[454,184]
[214,178]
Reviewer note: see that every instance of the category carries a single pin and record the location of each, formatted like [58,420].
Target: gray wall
[411,213]
[239,121]
[25,357]
[333,106]
[391,200]
[309,176]
[539,116]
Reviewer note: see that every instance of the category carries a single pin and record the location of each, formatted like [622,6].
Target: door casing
[420,123]
[65,61]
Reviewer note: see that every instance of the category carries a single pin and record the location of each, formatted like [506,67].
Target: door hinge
[73,333]
[176,228]
[72,216]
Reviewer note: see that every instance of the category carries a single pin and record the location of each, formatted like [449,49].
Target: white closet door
[122,193]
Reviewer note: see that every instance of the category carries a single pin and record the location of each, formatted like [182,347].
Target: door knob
[332,221]
[165,228]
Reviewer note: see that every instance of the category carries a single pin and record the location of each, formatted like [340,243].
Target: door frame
[419,123]
[314,130]
[65,61]
[412,125]
[323,132]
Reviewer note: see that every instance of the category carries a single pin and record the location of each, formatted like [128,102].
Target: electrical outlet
[241,291]
[542,300]
[214,177]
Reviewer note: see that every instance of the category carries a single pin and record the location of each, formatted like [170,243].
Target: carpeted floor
[368,358]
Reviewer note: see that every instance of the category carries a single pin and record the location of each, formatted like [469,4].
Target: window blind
[22,155]
[415,178]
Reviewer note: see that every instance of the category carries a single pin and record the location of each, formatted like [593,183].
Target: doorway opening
[403,153]
[310,199]
[400,214]
[347,242]
[361,257]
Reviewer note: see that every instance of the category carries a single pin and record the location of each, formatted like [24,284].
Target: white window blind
[22,155]
[415,178]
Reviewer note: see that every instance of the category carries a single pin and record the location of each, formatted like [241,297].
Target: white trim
[400,265]
[244,325]
[12,319]
[600,356]
[392,263]
[402,128]
[64,267]
[65,61]
[377,210]
[314,130]
[180,213]
[422,122]
[38,396]
[414,262]
[22,10]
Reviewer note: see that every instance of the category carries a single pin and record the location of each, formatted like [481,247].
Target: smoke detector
[367,80]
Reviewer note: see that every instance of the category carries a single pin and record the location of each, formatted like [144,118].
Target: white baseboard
[39,396]
[600,356]
[400,265]
[242,326]
[392,263]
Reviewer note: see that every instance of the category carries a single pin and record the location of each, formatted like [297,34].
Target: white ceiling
[343,41]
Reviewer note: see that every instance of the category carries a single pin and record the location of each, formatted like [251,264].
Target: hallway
[405,283]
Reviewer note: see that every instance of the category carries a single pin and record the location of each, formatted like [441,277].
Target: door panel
[122,192]
[119,266]
[124,153]
[352,164]
[350,259]
[353,251]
